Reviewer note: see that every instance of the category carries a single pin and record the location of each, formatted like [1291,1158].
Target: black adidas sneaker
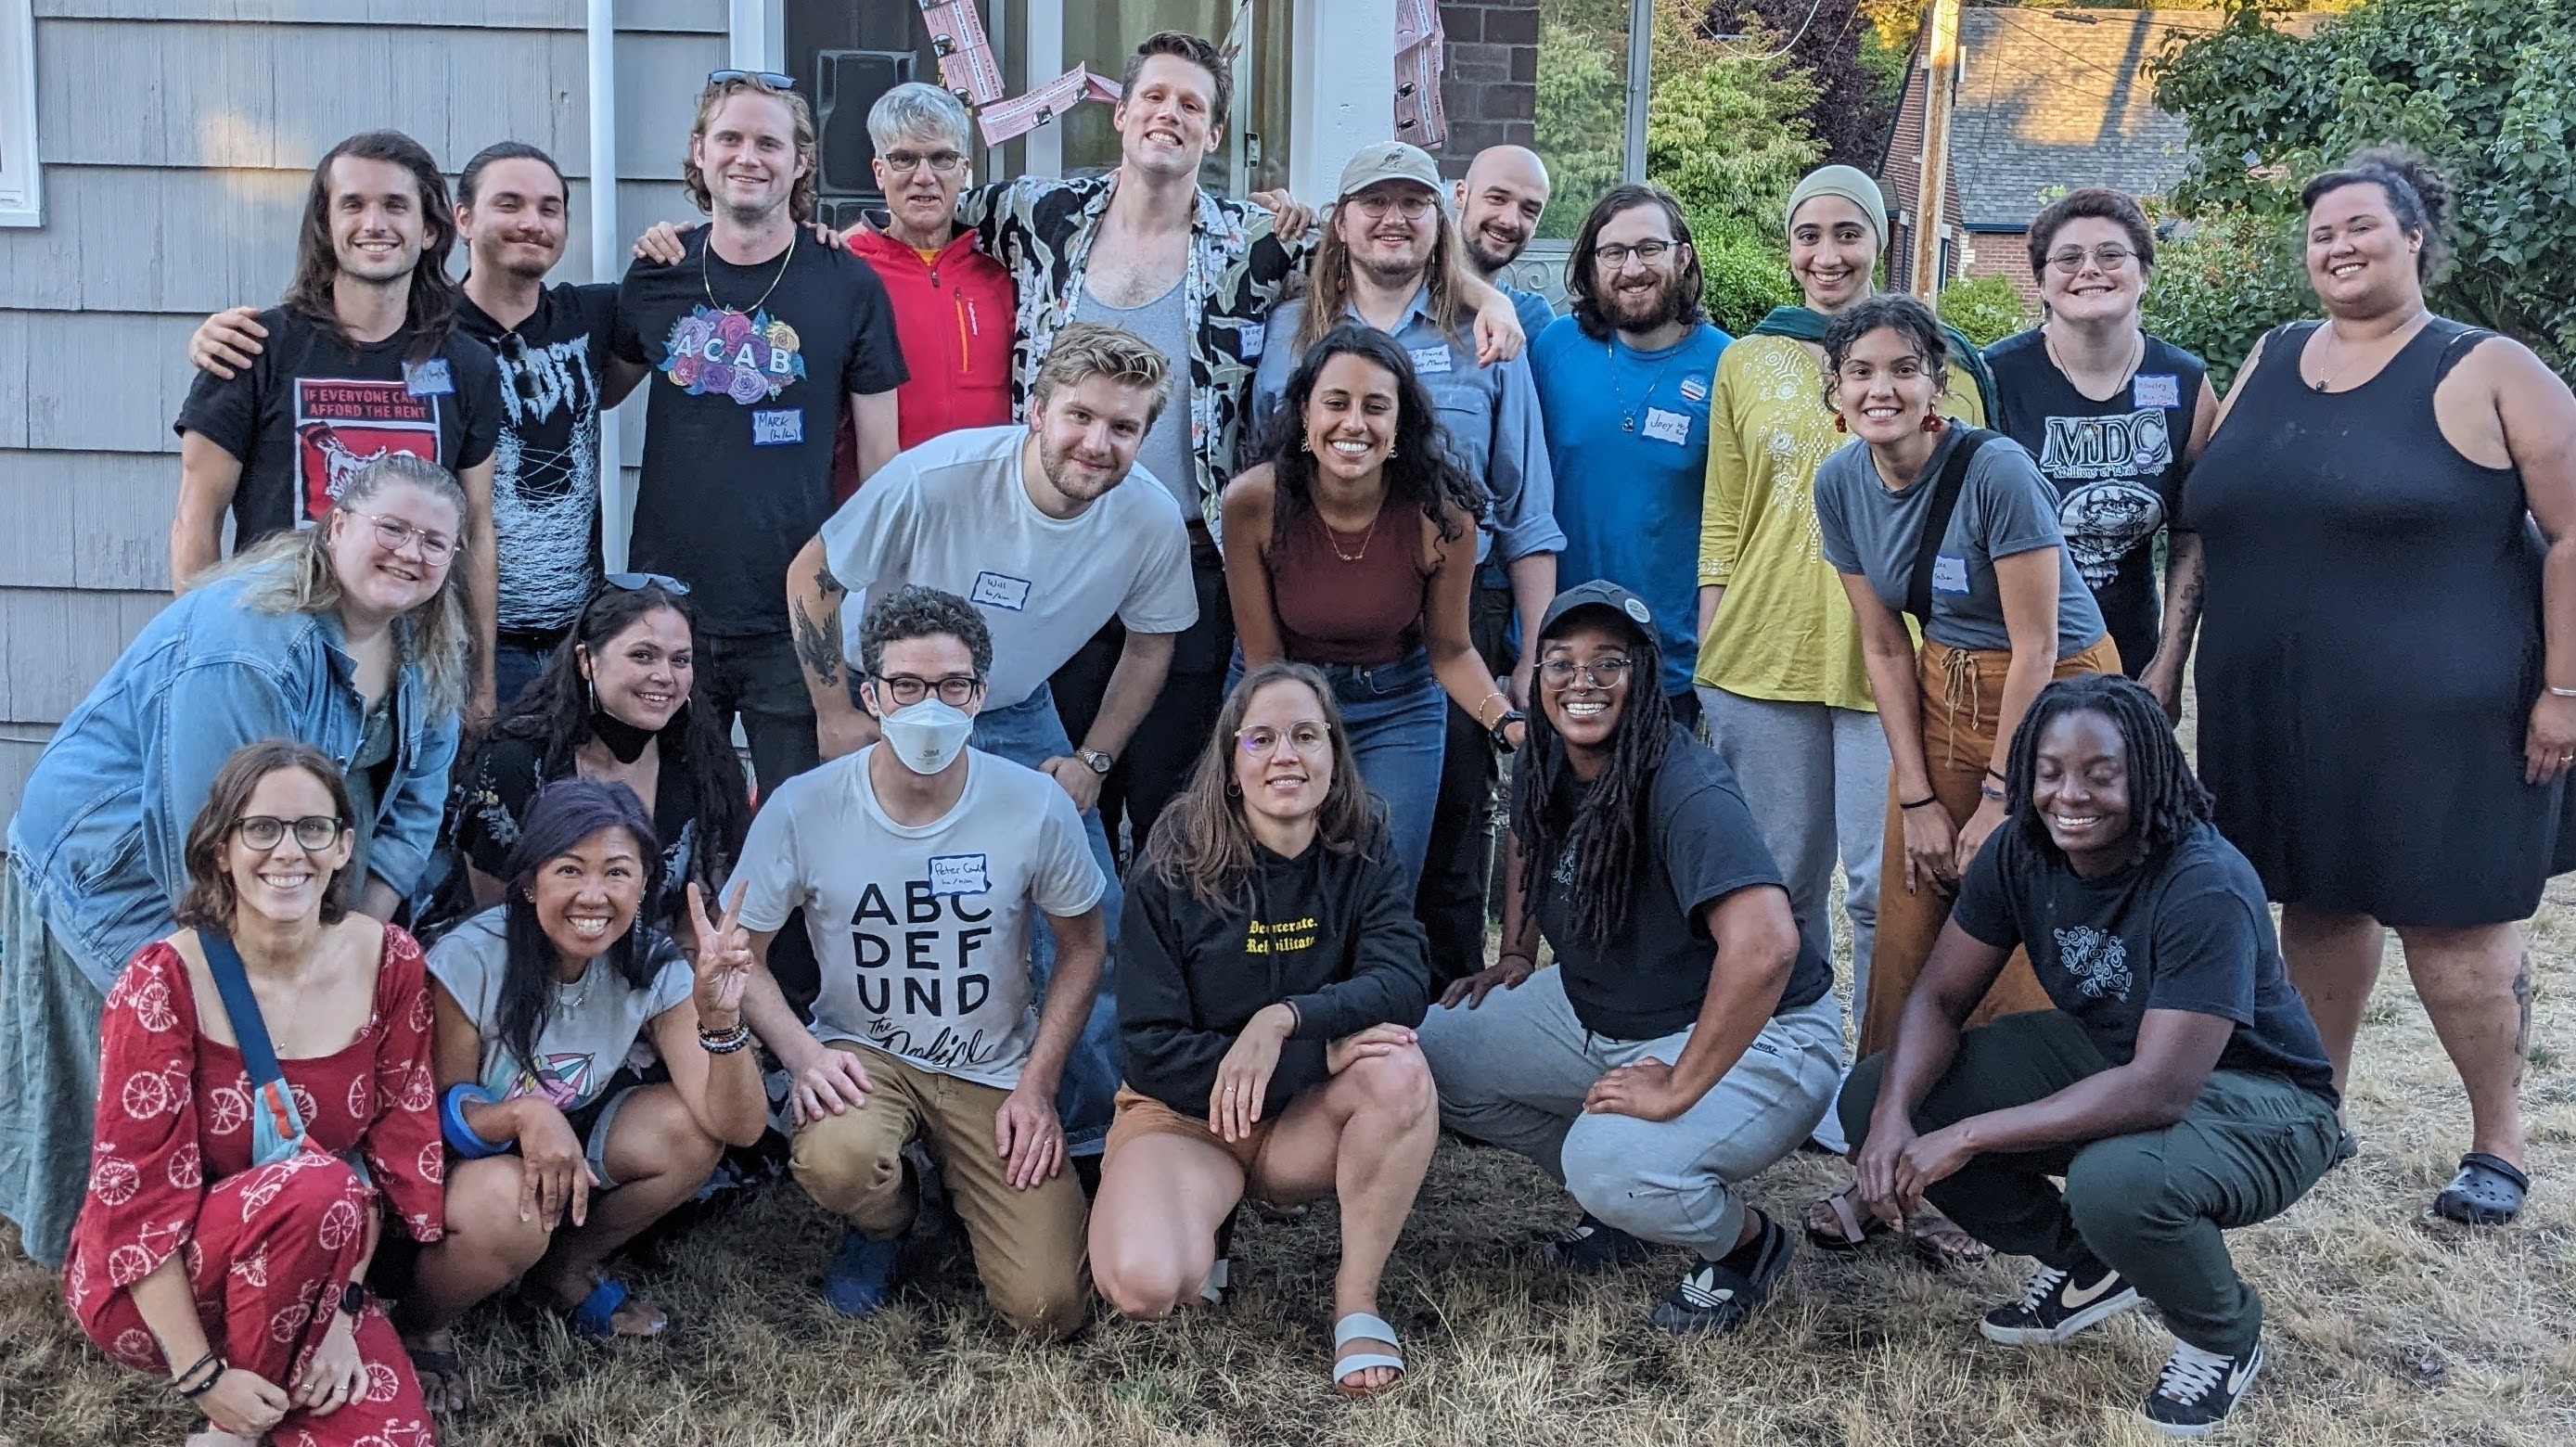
[1595,1246]
[2197,1389]
[1718,1296]
[2055,1306]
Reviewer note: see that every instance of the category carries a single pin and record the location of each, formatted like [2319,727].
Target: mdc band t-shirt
[311,409]
[753,367]
[922,930]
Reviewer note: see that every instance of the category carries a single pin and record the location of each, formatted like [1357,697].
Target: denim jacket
[101,828]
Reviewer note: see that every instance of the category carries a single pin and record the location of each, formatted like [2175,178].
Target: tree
[2487,88]
[1856,76]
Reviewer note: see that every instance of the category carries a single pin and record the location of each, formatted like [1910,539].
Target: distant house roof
[2050,100]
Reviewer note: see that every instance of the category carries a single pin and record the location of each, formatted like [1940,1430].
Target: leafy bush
[1747,271]
[2224,281]
[1987,309]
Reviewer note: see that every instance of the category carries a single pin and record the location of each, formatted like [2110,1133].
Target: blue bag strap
[250,1029]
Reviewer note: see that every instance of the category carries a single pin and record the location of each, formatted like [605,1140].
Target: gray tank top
[1165,452]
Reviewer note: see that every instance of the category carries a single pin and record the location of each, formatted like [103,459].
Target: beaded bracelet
[725,1042]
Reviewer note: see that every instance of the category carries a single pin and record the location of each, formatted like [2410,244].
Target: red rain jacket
[953,315]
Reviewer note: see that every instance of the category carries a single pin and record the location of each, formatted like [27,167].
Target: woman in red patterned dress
[235,1277]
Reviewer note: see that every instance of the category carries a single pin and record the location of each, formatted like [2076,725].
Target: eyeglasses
[1599,673]
[396,535]
[2108,258]
[904,163]
[638,582]
[1615,257]
[1308,740]
[1411,205]
[906,689]
[263,831]
[770,78]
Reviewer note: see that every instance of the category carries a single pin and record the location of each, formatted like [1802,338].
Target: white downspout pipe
[616,508]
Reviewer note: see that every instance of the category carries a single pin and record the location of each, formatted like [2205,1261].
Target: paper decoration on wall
[1018,117]
[966,63]
[1419,42]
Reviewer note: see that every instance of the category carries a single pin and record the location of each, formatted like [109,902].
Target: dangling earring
[1390,453]
[1934,422]
[1305,442]
[1838,423]
[1233,790]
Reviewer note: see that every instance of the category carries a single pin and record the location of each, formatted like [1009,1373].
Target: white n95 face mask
[926,736]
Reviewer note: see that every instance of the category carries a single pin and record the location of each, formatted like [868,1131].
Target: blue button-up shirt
[1489,414]
[101,829]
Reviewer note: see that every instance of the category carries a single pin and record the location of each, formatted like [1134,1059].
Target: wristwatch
[1094,760]
[1509,717]
[353,1299]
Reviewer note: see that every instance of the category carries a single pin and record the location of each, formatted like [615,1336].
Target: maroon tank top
[1350,597]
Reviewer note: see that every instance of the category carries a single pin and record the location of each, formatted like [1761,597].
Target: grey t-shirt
[594,1022]
[2005,507]
[1165,452]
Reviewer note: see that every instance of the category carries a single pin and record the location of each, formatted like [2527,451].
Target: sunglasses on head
[769,78]
[638,582]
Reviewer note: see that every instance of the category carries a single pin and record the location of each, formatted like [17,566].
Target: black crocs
[2488,1191]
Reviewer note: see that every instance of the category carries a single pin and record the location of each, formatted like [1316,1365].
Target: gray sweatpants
[1513,1071]
[1815,777]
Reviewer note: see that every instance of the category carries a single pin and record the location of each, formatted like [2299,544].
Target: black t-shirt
[545,474]
[753,368]
[2117,467]
[310,410]
[1699,847]
[2187,931]
[493,798]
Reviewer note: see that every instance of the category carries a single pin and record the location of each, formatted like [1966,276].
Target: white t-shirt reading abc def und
[952,514]
[922,931]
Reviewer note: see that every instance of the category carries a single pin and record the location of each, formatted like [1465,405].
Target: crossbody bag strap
[1936,523]
[277,1127]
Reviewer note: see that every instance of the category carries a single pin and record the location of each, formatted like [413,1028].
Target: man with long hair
[762,339]
[1625,382]
[366,359]
[1391,258]
[552,346]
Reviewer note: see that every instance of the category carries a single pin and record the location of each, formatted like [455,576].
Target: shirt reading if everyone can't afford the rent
[922,930]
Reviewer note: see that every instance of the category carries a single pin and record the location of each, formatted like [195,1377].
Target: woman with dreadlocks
[1688,1036]
[2179,1086]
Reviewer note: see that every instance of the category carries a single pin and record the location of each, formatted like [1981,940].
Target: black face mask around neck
[624,740]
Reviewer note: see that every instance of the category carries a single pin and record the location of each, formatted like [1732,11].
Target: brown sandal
[1836,1222]
[1941,1243]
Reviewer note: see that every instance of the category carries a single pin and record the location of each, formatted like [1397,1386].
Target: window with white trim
[21,195]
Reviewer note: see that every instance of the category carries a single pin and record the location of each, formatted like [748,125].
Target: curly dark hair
[1602,835]
[1581,276]
[553,714]
[2099,203]
[2418,196]
[565,813]
[916,611]
[1418,471]
[431,312]
[2166,800]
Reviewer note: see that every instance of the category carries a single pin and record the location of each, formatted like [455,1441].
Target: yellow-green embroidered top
[1784,629]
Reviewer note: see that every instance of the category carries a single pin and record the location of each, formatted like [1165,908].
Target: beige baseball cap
[1391,161]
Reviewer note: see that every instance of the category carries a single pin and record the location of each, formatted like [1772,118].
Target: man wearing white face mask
[923,866]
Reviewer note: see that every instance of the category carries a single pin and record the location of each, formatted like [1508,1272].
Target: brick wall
[2006,254]
[1490,85]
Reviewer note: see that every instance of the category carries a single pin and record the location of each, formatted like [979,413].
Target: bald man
[1499,202]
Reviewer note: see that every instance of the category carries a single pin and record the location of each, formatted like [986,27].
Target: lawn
[2385,1328]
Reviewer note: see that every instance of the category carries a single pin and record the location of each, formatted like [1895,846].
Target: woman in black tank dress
[2115,418]
[2387,698]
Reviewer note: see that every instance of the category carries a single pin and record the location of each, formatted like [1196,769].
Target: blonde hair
[1328,278]
[1083,350]
[291,572]
[800,198]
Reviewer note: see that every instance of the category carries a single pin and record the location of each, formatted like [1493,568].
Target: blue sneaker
[860,1279]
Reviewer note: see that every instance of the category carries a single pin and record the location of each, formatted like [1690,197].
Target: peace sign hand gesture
[723,961]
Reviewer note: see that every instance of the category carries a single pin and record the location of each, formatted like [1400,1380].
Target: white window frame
[21,170]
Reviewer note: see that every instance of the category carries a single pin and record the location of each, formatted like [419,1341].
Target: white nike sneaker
[2055,1306]
[2197,1389]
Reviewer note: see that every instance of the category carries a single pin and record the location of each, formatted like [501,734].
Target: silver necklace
[2137,358]
[1628,414]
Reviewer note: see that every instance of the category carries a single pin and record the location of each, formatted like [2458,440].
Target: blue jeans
[517,659]
[1398,719]
[1028,732]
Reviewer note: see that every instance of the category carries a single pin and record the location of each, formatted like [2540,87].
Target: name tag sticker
[1000,590]
[1256,340]
[777,426]
[1672,427]
[1431,359]
[2157,389]
[428,379]
[959,874]
[1949,573]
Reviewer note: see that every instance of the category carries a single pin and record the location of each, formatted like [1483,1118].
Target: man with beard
[763,338]
[1499,203]
[1625,383]
[1390,258]
[1030,525]
[551,343]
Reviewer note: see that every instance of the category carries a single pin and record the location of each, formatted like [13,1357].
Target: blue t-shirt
[1534,310]
[1627,432]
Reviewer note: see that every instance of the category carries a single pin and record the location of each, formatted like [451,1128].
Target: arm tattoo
[818,645]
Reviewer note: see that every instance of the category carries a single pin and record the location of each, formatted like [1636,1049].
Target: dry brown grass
[2385,1328]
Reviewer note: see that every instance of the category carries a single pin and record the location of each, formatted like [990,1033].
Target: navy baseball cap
[1599,593]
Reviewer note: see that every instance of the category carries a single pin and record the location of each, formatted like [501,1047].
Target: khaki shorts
[1140,1114]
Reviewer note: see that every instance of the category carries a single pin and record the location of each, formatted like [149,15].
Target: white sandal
[1360,1326]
